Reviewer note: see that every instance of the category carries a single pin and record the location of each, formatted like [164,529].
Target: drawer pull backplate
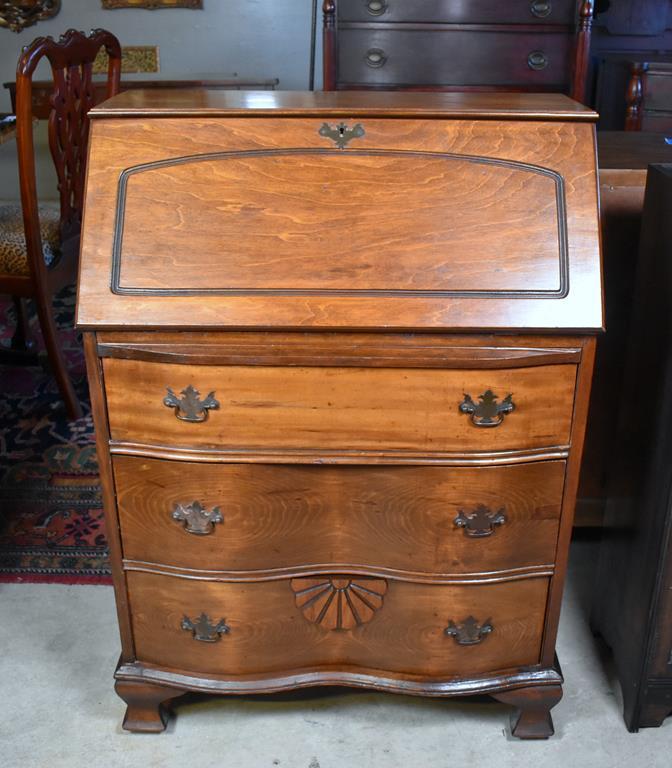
[481,522]
[487,412]
[190,407]
[204,630]
[469,632]
[196,518]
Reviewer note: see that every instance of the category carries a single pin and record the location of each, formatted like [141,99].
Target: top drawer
[341,409]
[450,12]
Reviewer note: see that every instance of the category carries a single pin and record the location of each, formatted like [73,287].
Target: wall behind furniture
[249,38]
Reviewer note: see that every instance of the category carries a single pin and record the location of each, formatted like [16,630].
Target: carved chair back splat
[49,260]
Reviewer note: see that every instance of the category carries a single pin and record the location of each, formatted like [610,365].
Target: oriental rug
[51,518]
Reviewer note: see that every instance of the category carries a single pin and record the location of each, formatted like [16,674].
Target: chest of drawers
[536,45]
[340,350]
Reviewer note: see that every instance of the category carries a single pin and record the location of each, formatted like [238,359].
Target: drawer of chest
[265,627]
[340,409]
[452,57]
[252,517]
[450,12]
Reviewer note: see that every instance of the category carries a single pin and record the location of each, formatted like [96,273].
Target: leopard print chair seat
[13,252]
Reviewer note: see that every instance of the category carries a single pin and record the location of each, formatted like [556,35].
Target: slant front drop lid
[340,348]
[263,208]
[273,211]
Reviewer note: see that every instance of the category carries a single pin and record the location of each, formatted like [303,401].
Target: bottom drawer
[364,622]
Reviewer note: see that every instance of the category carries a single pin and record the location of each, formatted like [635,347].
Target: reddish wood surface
[382,199]
[307,282]
[339,459]
[339,408]
[99,413]
[268,632]
[146,711]
[315,518]
[549,107]
[532,719]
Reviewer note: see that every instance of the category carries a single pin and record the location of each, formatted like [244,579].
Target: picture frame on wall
[18,16]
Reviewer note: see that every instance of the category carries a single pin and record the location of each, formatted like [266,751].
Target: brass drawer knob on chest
[375,57]
[204,630]
[196,518]
[541,8]
[190,407]
[487,412]
[469,632]
[376,7]
[481,522]
[537,60]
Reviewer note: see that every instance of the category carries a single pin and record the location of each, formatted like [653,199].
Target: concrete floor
[58,709]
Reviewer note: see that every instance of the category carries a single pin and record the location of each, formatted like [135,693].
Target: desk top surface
[213,103]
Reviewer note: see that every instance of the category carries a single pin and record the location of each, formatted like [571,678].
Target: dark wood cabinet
[633,603]
[649,97]
[624,33]
[535,45]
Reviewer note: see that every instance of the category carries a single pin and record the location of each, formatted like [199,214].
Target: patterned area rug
[51,517]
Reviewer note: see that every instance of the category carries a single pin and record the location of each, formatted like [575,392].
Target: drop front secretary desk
[340,349]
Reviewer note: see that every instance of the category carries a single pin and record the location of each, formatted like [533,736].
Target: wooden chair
[39,246]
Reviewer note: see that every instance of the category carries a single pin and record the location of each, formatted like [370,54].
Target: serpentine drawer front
[370,623]
[339,350]
[250,517]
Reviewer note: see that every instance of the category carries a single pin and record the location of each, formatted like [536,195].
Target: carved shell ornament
[339,602]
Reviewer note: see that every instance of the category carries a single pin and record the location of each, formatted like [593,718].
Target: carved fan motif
[339,602]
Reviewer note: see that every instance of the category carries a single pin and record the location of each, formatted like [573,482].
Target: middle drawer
[419,520]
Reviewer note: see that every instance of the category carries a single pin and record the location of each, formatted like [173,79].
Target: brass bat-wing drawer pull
[190,407]
[481,522]
[196,518]
[469,632]
[204,630]
[487,412]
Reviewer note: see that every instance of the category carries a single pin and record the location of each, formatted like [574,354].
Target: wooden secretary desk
[340,349]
